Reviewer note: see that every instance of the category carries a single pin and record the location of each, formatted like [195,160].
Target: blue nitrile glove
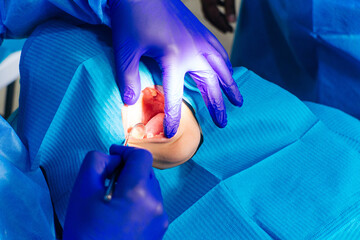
[174,37]
[136,209]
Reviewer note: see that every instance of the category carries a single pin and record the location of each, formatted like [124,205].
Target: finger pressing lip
[170,130]
[217,109]
[219,117]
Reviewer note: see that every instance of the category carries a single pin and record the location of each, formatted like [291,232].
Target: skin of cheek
[181,148]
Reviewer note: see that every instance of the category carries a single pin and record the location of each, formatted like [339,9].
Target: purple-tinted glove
[167,31]
[136,209]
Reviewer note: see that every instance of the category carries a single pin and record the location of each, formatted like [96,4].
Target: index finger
[96,167]
[173,83]
[137,164]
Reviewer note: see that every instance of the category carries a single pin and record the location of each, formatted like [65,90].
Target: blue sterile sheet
[311,48]
[25,205]
[10,46]
[281,169]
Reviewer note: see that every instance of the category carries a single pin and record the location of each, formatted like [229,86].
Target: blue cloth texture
[19,18]
[281,169]
[10,46]
[25,204]
[310,48]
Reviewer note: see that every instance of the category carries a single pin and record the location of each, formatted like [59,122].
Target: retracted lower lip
[156,139]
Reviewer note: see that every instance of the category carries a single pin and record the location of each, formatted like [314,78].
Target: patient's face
[149,110]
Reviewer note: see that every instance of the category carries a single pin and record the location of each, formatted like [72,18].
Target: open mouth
[148,110]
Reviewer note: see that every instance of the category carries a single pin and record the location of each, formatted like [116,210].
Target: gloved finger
[157,227]
[227,83]
[173,84]
[127,73]
[119,150]
[137,166]
[221,50]
[156,191]
[230,10]
[96,167]
[208,84]
[213,15]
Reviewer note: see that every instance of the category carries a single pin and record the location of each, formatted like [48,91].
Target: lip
[156,139]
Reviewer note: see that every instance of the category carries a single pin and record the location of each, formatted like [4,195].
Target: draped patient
[281,168]
[149,110]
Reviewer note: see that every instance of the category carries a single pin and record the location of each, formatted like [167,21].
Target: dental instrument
[139,132]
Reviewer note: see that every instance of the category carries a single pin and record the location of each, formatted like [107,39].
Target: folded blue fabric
[25,204]
[280,169]
[310,48]
[10,46]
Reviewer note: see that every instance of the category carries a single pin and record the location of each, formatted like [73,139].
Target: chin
[149,110]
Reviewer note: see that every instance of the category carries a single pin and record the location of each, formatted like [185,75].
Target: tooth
[150,135]
[153,92]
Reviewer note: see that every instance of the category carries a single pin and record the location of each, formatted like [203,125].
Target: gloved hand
[136,209]
[168,32]
[218,19]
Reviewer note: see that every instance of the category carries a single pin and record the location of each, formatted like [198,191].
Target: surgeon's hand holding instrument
[137,131]
[168,32]
[136,201]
